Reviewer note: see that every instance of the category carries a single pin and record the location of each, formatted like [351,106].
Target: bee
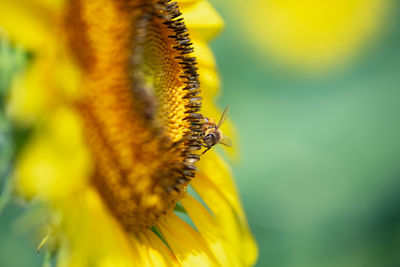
[211,133]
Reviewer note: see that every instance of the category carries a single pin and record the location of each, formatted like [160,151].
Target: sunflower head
[116,118]
[147,124]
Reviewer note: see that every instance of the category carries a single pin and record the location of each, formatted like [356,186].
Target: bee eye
[210,136]
[209,139]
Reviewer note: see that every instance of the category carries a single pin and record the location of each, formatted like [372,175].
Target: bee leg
[199,143]
[208,148]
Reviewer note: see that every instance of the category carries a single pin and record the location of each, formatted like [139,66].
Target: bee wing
[225,141]
[223,117]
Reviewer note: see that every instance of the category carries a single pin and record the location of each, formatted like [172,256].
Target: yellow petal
[185,2]
[209,80]
[43,87]
[235,226]
[153,251]
[55,161]
[28,101]
[200,27]
[211,231]
[204,54]
[220,177]
[210,86]
[92,235]
[30,23]
[188,245]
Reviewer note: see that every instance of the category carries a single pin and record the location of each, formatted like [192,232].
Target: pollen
[140,103]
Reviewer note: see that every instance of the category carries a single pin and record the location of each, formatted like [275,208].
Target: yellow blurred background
[311,34]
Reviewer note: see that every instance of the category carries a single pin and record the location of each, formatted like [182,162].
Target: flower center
[140,103]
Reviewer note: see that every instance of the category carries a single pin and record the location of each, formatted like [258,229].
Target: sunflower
[112,100]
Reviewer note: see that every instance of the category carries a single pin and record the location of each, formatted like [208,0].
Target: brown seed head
[139,102]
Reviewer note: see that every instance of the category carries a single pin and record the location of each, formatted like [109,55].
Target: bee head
[210,139]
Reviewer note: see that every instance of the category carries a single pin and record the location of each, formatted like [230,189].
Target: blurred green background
[319,173]
[319,168]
